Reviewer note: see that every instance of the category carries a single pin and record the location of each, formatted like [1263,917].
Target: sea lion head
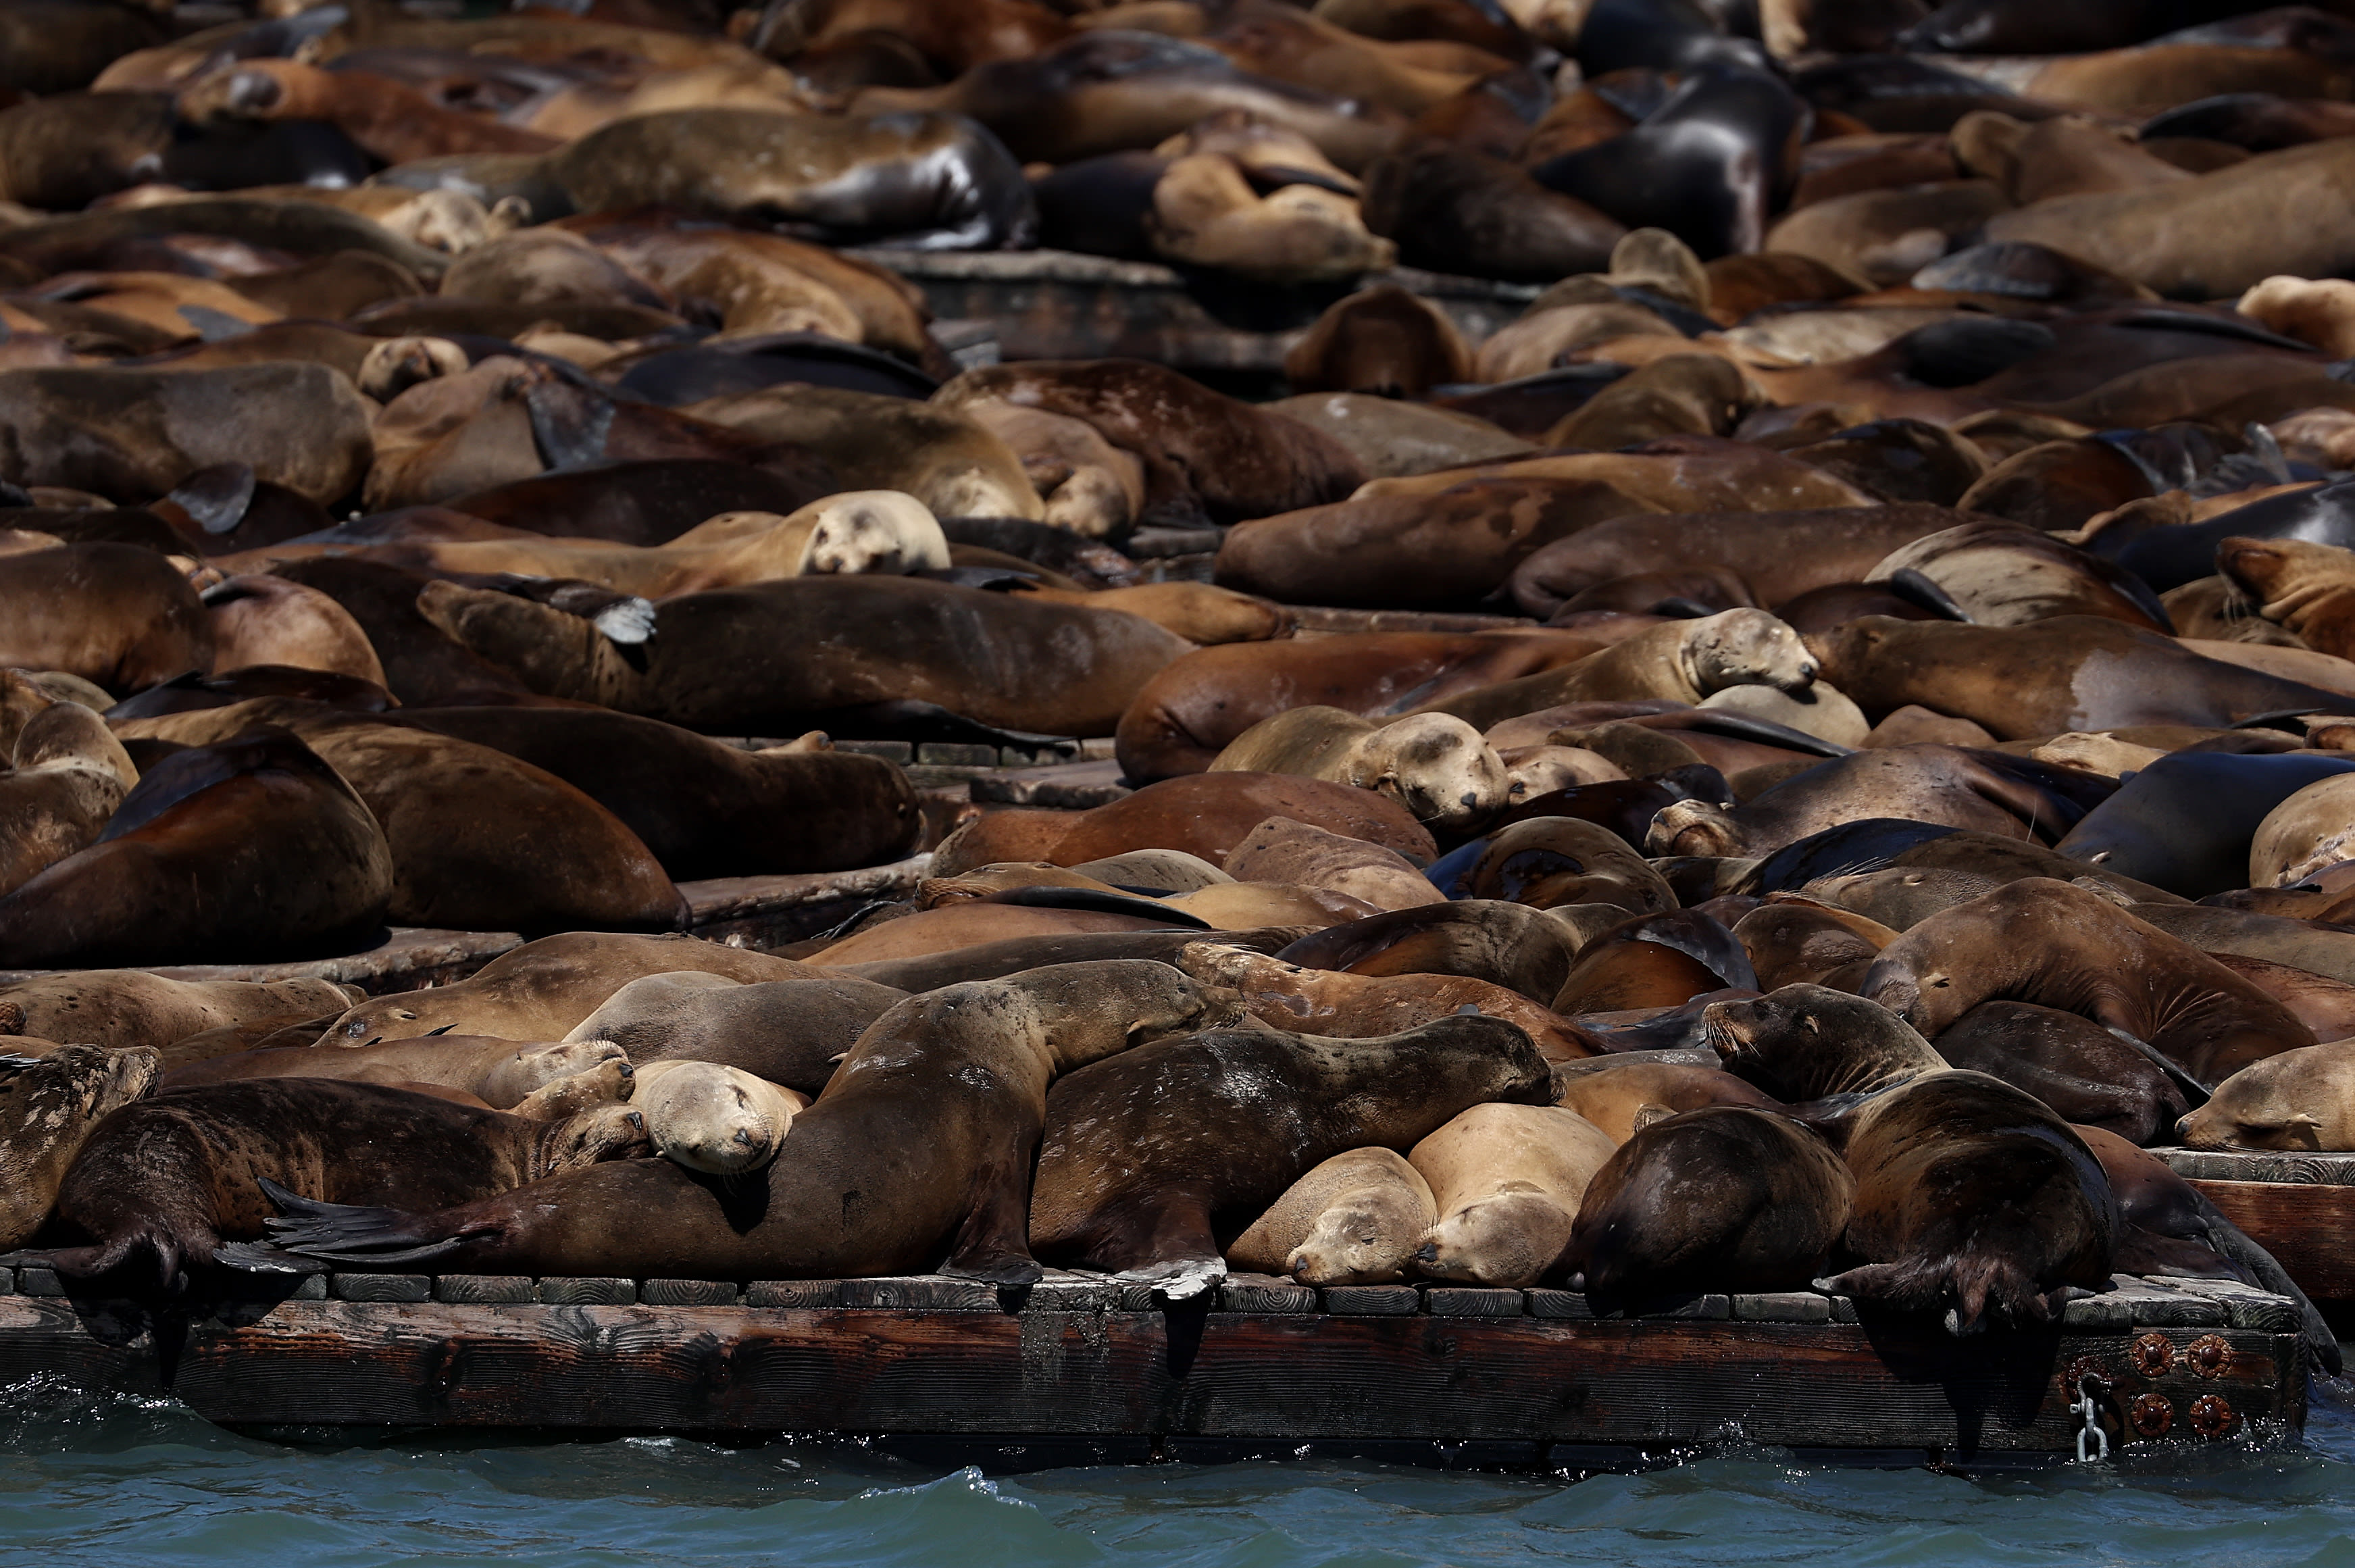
[397,363]
[593,1137]
[2298,1100]
[48,1106]
[1438,767]
[1364,1237]
[718,1120]
[1803,1042]
[1695,827]
[533,1066]
[1745,647]
[874,531]
[1505,1240]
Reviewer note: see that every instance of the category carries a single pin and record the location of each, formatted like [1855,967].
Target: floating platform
[2299,1207]
[1502,1378]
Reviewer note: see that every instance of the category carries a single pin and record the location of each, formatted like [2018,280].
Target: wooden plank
[2307,1227]
[1293,1376]
[2251,1165]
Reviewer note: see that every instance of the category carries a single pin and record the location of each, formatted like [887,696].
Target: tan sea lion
[1205,214]
[951,463]
[1622,1096]
[1506,1180]
[260,620]
[2311,829]
[1355,1219]
[124,1007]
[1683,661]
[714,1118]
[791,1032]
[1296,854]
[48,1106]
[2298,1100]
[1434,765]
[502,1073]
[2299,584]
[1356,1007]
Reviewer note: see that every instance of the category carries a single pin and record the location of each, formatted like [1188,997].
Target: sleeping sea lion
[1506,1180]
[49,1105]
[1353,1218]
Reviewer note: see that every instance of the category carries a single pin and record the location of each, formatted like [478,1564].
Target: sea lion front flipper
[993,1245]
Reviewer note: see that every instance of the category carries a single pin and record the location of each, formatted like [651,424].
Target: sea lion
[1719,1197]
[1286,853]
[1652,960]
[1434,765]
[714,1118]
[195,865]
[2069,673]
[112,614]
[1683,661]
[933,451]
[2298,1100]
[1353,1218]
[1382,339]
[1458,210]
[120,1008]
[2005,575]
[69,775]
[1506,1180]
[2187,822]
[922,1142]
[2309,830]
[791,1032]
[2065,947]
[49,1105]
[1206,815]
[543,989]
[502,1073]
[165,1182]
[1205,214]
[1387,436]
[258,620]
[1623,1095]
[773,657]
[1794,940]
[2083,1071]
[1503,944]
[926,181]
[1808,1042]
[423,665]
[1358,1006]
[1150,1154]
[2300,584]
[1547,861]
[1971,1194]
[132,435]
[969,923]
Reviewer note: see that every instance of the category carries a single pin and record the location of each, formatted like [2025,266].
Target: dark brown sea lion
[423,665]
[2046,942]
[2186,821]
[792,1032]
[1357,1007]
[1722,1197]
[774,657]
[1382,339]
[248,849]
[2083,1071]
[1150,1157]
[48,1106]
[1458,210]
[1504,944]
[1971,1195]
[1808,1042]
[65,151]
[132,436]
[69,775]
[922,1144]
[1201,814]
[704,809]
[157,1190]
[114,614]
[2070,672]
[932,181]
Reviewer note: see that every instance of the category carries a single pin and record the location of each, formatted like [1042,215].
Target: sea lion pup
[1148,1156]
[49,1105]
[1435,765]
[250,850]
[164,1182]
[1808,1042]
[1508,1180]
[70,773]
[2302,1099]
[120,1008]
[1972,1195]
[791,1032]
[2088,1074]
[543,989]
[2171,1228]
[1358,1007]
[720,1120]
[1683,661]
[1353,1218]
[1730,1197]
[499,1072]
[2038,940]
[922,1144]
[1623,1094]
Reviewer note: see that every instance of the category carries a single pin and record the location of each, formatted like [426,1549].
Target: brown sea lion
[1282,852]
[1652,960]
[2063,947]
[1971,1195]
[248,848]
[69,775]
[953,463]
[1623,1095]
[2298,1100]
[1434,765]
[543,989]
[123,1008]
[501,1073]
[48,1106]
[1503,944]
[1357,1007]
[1353,1218]
[792,1032]
[1506,1180]
[1148,1158]
[1387,436]
[1382,339]
[1721,1197]
[155,1192]
[1201,814]
[970,923]
[2083,1071]
[258,620]
[923,1143]
[1547,861]
[1794,940]
[112,613]
[423,665]
[2299,584]
[1807,1042]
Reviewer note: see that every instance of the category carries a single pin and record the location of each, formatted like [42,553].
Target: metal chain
[2091,1434]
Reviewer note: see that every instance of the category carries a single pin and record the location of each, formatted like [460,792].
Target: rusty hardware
[2081,1369]
[2152,1414]
[2212,1418]
[2210,1354]
[2153,1354]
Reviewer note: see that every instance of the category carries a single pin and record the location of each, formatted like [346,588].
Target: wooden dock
[2299,1207]
[1522,1378]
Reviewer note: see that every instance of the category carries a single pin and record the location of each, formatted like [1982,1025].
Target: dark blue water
[123,1481]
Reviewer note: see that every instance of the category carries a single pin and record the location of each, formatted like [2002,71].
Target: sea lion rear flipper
[350,1233]
[260,1257]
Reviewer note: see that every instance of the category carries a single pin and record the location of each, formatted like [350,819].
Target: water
[125,1482]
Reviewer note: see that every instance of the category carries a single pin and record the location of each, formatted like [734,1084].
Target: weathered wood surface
[1058,304]
[1077,1360]
[2308,1228]
[404,960]
[2252,1165]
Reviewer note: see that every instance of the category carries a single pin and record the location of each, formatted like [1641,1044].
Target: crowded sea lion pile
[1789,766]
